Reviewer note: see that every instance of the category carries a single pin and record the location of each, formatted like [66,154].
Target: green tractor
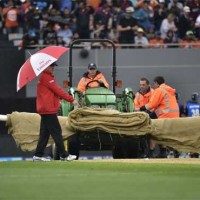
[101,97]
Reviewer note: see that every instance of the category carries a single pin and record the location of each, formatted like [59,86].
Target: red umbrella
[37,63]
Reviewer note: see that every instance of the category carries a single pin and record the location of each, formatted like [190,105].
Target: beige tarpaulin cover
[182,134]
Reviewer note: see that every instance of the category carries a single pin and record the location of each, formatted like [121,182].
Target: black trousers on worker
[50,125]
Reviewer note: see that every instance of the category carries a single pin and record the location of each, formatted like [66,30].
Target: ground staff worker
[49,94]
[144,94]
[163,100]
[92,78]
[164,104]
[142,97]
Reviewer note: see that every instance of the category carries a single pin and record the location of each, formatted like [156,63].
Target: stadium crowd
[132,23]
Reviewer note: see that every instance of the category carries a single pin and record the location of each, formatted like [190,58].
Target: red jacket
[49,94]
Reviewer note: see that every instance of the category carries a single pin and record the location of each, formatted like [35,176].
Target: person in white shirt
[65,33]
[168,24]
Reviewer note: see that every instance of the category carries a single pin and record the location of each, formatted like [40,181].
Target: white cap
[129,9]
[186,9]
[161,1]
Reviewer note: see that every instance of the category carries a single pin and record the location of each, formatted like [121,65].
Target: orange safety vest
[142,99]
[85,80]
[164,103]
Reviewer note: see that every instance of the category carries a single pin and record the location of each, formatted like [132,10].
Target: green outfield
[96,180]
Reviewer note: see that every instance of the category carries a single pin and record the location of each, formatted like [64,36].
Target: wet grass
[26,180]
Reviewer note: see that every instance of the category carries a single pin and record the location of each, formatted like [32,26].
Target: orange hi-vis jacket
[85,80]
[142,99]
[164,103]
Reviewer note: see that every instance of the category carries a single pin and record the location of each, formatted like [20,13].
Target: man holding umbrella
[49,94]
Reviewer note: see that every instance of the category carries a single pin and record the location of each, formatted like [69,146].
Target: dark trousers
[50,125]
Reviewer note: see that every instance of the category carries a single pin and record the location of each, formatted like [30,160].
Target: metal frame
[92,41]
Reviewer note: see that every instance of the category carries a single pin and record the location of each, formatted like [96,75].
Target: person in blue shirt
[192,108]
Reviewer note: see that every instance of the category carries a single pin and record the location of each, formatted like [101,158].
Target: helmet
[195,96]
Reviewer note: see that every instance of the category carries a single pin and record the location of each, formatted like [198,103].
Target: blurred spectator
[29,40]
[144,15]
[53,13]
[157,41]
[61,42]
[99,33]
[190,41]
[170,40]
[140,40]
[44,20]
[127,27]
[24,8]
[160,14]
[125,4]
[33,16]
[84,21]
[176,7]
[104,14]
[134,2]
[150,32]
[197,26]
[11,15]
[69,17]
[95,4]
[168,24]
[117,14]
[152,4]
[194,8]
[42,4]
[99,30]
[65,4]
[184,23]
[50,35]
[75,36]
[65,33]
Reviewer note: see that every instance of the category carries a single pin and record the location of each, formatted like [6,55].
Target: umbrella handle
[3,118]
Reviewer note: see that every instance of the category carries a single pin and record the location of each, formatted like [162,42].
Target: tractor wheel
[118,152]
[126,149]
